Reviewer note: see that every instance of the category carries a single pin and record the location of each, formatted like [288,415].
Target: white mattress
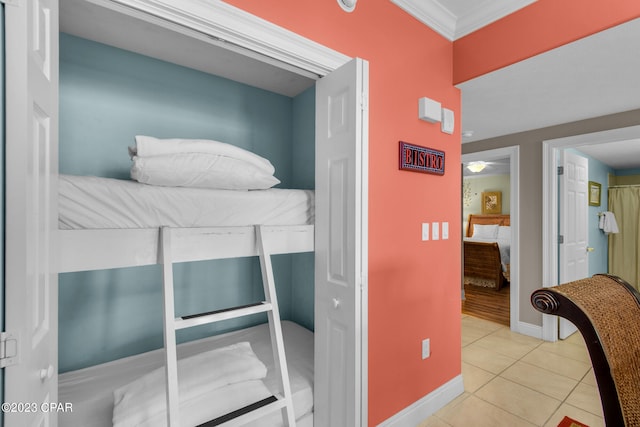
[88,202]
[90,390]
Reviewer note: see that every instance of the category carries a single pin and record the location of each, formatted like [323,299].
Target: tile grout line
[482,329]
[520,359]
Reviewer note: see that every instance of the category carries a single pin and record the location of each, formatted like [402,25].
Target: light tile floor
[513,380]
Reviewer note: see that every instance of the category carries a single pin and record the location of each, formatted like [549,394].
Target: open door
[574,229]
[31,377]
[341,246]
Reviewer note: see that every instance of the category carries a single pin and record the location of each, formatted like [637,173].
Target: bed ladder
[249,413]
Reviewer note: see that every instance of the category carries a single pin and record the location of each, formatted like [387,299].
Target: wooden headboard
[486,219]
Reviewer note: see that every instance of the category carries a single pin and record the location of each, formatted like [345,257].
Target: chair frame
[549,301]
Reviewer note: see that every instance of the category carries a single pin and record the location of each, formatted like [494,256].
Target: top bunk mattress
[89,202]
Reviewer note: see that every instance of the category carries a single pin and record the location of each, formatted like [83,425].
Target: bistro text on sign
[421,159]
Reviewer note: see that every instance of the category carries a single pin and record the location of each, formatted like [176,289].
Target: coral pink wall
[537,28]
[414,286]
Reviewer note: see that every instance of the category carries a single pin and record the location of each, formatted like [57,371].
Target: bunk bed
[39,248]
[91,389]
[108,223]
[487,250]
[95,232]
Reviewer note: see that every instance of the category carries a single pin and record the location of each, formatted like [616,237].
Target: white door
[574,207]
[31,218]
[341,246]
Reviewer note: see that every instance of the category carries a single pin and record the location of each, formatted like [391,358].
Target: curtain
[624,247]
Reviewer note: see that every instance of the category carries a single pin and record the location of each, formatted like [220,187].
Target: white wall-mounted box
[448,121]
[429,110]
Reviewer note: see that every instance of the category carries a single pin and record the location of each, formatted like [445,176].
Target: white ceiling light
[476,167]
[347,5]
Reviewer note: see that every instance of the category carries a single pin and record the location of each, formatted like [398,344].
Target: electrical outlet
[426,348]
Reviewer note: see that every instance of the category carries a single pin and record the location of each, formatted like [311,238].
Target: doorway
[513,156]
[550,225]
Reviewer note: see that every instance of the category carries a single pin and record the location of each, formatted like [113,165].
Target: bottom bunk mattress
[89,202]
[91,390]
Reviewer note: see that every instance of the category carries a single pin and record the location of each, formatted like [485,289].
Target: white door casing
[31,213]
[513,153]
[550,204]
[340,245]
[32,205]
[573,227]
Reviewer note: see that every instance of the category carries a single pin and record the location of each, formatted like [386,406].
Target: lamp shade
[476,167]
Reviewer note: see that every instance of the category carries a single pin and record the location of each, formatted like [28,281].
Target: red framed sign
[421,159]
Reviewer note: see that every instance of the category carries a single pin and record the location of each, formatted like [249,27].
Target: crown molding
[438,17]
[485,13]
[431,13]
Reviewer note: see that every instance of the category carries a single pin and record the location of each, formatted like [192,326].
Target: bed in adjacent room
[487,247]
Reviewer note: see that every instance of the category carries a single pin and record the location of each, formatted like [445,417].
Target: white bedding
[98,203]
[211,384]
[90,390]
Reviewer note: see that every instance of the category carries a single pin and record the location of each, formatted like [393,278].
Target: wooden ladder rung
[248,413]
[219,315]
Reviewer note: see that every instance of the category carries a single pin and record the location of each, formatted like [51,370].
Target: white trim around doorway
[513,153]
[550,205]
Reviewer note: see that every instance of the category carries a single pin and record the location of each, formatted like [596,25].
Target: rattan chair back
[606,311]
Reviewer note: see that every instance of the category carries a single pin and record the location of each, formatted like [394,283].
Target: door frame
[550,205]
[244,32]
[513,153]
[236,30]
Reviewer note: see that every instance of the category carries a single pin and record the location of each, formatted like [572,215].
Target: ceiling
[456,18]
[619,155]
[591,77]
[179,45]
[594,76]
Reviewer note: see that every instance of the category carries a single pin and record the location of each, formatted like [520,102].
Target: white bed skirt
[90,390]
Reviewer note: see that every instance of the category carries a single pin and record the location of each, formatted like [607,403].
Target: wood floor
[487,303]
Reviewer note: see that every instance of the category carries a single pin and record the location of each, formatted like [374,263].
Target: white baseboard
[530,330]
[427,406]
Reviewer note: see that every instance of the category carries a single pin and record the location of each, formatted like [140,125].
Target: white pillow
[485,231]
[201,171]
[147,146]
[504,232]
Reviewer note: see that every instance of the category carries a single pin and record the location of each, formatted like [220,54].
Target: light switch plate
[435,230]
[426,348]
[425,231]
[445,230]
